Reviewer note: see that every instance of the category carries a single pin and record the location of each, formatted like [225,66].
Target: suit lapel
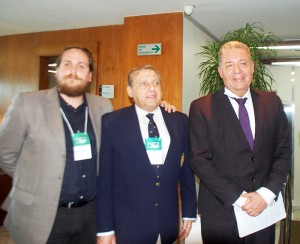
[258,113]
[132,127]
[54,117]
[170,127]
[95,116]
[229,115]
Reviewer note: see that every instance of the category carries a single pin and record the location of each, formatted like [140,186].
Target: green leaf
[254,36]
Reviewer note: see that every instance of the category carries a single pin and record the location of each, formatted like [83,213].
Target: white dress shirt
[268,195]
[161,126]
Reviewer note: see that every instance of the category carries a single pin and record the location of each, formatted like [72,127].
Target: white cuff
[193,219]
[266,194]
[108,233]
[240,201]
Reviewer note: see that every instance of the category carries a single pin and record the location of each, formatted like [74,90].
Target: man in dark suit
[233,171]
[138,193]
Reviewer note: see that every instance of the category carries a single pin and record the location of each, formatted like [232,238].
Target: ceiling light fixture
[293,45]
[295,63]
[282,47]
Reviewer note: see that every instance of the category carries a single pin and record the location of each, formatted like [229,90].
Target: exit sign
[149,49]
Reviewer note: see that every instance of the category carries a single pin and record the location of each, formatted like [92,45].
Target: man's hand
[111,239]
[168,107]
[186,228]
[255,204]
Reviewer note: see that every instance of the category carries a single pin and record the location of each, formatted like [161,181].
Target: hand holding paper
[271,215]
[254,204]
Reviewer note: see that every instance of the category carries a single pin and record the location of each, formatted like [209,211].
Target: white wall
[193,39]
[289,92]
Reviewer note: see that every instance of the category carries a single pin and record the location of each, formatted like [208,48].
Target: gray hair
[137,69]
[231,45]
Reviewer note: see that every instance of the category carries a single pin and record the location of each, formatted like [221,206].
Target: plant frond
[252,35]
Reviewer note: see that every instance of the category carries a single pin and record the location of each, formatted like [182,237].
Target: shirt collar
[232,95]
[142,113]
[64,105]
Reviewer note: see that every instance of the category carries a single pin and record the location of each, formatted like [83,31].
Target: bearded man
[49,143]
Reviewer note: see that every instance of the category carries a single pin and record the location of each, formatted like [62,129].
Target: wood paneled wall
[166,29]
[117,54]
[18,67]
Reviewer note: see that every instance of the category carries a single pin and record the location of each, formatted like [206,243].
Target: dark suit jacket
[222,158]
[131,199]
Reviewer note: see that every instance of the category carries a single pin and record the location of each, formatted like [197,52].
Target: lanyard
[68,123]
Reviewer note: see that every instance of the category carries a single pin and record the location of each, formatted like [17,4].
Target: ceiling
[216,17]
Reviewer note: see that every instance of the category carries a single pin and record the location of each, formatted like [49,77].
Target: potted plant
[255,37]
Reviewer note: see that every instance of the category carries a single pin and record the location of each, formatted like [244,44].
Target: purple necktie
[244,120]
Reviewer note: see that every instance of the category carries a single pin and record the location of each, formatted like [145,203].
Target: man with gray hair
[240,148]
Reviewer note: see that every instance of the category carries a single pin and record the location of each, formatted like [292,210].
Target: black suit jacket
[132,200]
[222,158]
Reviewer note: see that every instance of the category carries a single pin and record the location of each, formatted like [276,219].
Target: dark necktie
[244,120]
[153,132]
[152,128]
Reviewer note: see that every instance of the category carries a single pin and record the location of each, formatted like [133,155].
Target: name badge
[153,143]
[154,150]
[81,146]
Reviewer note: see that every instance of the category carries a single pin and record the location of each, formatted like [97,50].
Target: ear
[56,73]
[253,66]
[129,91]
[220,72]
[90,77]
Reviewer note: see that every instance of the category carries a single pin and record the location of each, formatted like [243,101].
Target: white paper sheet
[271,215]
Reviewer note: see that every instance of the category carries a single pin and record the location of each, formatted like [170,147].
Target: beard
[67,87]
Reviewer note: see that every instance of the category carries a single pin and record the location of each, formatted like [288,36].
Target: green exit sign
[149,49]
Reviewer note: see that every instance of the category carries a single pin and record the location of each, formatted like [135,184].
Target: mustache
[72,76]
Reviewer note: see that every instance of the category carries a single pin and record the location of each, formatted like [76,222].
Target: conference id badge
[154,150]
[81,146]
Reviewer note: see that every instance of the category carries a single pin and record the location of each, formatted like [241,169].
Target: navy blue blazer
[222,158]
[131,199]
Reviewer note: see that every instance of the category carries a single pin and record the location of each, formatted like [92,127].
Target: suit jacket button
[157,184]
[253,158]
[156,205]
